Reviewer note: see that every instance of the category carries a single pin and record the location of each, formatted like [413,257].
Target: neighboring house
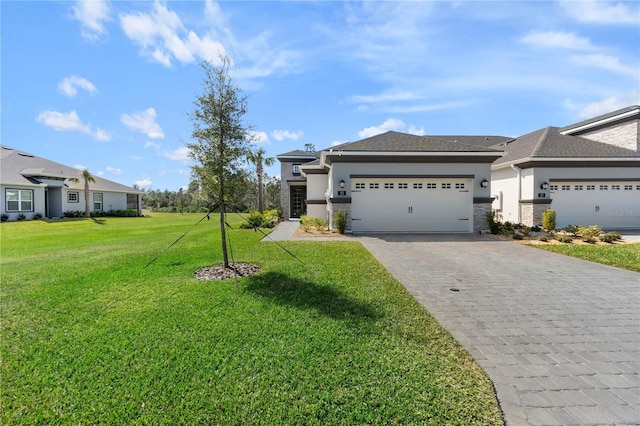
[588,172]
[395,182]
[30,185]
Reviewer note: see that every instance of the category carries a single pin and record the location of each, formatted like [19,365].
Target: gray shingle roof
[403,142]
[600,118]
[299,153]
[550,143]
[21,168]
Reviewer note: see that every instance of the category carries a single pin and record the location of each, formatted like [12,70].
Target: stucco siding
[317,186]
[504,190]
[38,201]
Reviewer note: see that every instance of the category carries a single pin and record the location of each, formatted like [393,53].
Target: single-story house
[589,172]
[32,185]
[394,182]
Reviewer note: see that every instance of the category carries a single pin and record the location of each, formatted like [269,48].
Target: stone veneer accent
[345,207]
[531,213]
[624,135]
[480,211]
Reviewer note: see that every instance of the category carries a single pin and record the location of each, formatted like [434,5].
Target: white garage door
[411,205]
[610,205]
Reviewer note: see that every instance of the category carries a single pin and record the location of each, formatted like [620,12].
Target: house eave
[529,162]
[600,123]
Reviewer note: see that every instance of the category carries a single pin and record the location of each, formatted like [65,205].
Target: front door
[298,204]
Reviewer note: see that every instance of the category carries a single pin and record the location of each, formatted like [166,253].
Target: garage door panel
[610,205]
[411,205]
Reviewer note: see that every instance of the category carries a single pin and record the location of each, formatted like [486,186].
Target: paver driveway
[558,336]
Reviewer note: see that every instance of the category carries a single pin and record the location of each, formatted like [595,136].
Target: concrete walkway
[559,337]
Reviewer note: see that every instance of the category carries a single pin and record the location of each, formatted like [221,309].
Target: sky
[109,86]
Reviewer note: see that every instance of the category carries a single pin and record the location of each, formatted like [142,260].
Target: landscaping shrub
[549,220]
[517,236]
[123,213]
[571,229]
[320,223]
[543,238]
[37,216]
[340,221]
[564,238]
[305,223]
[590,232]
[610,237]
[589,240]
[4,217]
[492,223]
[536,228]
[22,217]
[268,219]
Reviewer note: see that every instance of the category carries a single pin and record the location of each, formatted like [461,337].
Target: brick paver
[559,337]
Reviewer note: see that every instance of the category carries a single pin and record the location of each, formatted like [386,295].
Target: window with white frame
[73,197]
[360,185]
[553,187]
[628,187]
[402,185]
[446,186]
[459,185]
[615,187]
[417,185]
[97,202]
[578,187]
[19,200]
[296,169]
[388,185]
[431,186]
[604,187]
[566,187]
[591,187]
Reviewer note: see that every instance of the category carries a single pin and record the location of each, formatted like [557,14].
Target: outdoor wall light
[341,183]
[544,185]
[484,183]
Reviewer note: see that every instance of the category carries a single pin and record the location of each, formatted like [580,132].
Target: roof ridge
[541,141]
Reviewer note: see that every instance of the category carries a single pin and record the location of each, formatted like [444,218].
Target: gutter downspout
[519,170]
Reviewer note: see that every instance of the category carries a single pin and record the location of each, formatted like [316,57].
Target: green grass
[626,256]
[89,336]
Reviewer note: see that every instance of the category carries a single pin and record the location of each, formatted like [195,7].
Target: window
[19,200]
[604,187]
[360,185]
[417,186]
[446,186]
[97,202]
[73,197]
[374,186]
[628,187]
[615,187]
[459,185]
[591,187]
[638,187]
[566,187]
[296,169]
[388,185]
[403,186]
[431,186]
[553,187]
[578,188]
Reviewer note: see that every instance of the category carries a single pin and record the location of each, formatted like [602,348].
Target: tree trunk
[260,192]
[223,234]
[87,208]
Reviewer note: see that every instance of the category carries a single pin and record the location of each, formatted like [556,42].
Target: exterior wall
[317,210]
[480,211]
[286,175]
[504,190]
[625,135]
[317,185]
[38,201]
[531,213]
[345,207]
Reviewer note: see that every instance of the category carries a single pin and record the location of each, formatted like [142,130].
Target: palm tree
[257,158]
[86,177]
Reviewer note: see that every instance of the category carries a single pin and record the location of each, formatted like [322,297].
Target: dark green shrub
[123,213]
[507,228]
[542,238]
[340,221]
[37,216]
[610,237]
[571,229]
[492,223]
[549,220]
[4,217]
[536,228]
[517,236]
[21,217]
[589,240]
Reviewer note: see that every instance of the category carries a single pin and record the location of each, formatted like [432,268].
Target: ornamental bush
[340,221]
[549,220]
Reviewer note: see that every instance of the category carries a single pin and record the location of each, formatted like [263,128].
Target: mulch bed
[219,272]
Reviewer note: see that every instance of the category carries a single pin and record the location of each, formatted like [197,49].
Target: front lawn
[626,256]
[89,336]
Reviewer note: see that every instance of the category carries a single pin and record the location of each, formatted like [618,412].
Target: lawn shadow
[99,221]
[307,295]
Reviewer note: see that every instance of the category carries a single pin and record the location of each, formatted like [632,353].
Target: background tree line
[192,199]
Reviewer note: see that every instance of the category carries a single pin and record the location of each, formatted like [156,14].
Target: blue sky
[108,85]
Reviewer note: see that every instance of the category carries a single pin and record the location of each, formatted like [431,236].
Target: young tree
[87,177]
[257,158]
[221,139]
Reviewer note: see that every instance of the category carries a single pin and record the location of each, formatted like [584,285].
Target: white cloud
[610,63]
[92,15]
[70,122]
[149,144]
[99,173]
[336,143]
[606,105]
[559,39]
[414,130]
[602,12]
[180,154]
[144,182]
[258,137]
[69,86]
[113,170]
[281,135]
[162,36]
[144,122]
[389,124]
